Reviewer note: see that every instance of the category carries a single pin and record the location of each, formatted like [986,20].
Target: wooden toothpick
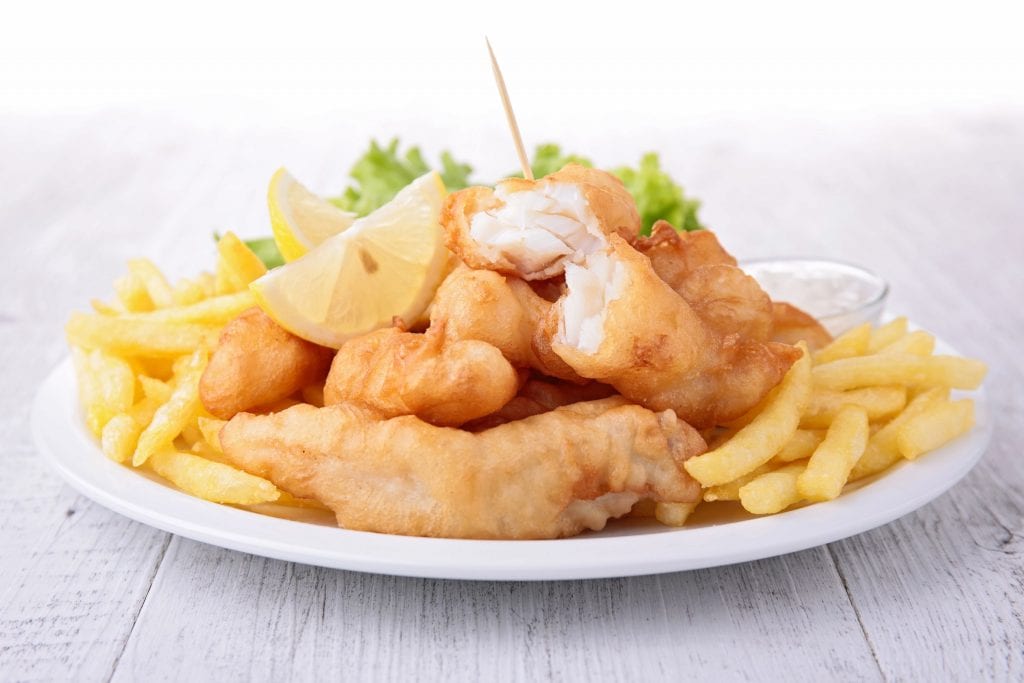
[517,139]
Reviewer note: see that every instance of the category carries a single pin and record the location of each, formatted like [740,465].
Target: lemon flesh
[386,265]
[300,219]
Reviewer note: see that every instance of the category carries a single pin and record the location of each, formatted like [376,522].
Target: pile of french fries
[851,410]
[138,362]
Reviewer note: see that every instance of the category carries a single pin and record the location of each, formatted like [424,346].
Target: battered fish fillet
[701,271]
[503,311]
[622,324]
[547,476]
[257,363]
[539,396]
[530,228]
[405,373]
[790,325]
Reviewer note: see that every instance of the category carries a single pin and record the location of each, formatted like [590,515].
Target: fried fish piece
[620,323]
[791,324]
[257,363]
[547,476]
[501,310]
[539,395]
[700,270]
[530,228]
[405,373]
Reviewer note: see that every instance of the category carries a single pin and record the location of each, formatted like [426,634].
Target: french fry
[887,334]
[882,450]
[207,282]
[673,514]
[731,489]
[115,381]
[146,272]
[853,342]
[878,402]
[210,427]
[187,292]
[917,343]
[239,260]
[155,389]
[132,294]
[772,492]
[800,446]
[900,368]
[125,336]
[88,392]
[830,464]
[106,386]
[212,481]
[103,308]
[218,310]
[120,437]
[756,443]
[938,424]
[191,434]
[224,280]
[172,417]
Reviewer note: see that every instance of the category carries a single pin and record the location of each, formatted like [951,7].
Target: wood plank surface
[931,202]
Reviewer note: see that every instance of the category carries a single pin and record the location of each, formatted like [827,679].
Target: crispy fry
[887,334]
[800,446]
[900,368]
[106,386]
[882,450]
[830,465]
[879,402]
[673,514]
[155,389]
[731,490]
[156,285]
[172,417]
[187,292]
[210,428]
[218,310]
[239,260]
[103,308]
[212,481]
[124,336]
[772,492]
[938,424]
[853,342]
[132,294]
[918,343]
[756,443]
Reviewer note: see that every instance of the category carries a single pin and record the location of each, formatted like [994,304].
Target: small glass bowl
[840,295]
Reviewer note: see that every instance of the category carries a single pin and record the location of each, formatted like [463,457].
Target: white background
[637,70]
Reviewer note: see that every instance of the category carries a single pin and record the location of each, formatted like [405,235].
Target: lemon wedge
[388,264]
[300,219]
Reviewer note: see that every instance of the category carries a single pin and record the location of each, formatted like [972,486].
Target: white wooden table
[933,203]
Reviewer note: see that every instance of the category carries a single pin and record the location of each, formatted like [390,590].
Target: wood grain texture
[932,203]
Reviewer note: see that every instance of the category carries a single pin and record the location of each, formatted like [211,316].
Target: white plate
[720,534]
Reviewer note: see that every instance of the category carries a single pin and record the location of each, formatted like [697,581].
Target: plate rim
[165,508]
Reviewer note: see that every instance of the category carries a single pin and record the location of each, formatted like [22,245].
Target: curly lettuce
[383,170]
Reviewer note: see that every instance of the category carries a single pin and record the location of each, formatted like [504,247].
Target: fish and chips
[516,362]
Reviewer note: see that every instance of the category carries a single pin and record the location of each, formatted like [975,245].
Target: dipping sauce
[838,294]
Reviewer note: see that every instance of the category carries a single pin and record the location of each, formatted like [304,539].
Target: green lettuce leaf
[658,196]
[382,171]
